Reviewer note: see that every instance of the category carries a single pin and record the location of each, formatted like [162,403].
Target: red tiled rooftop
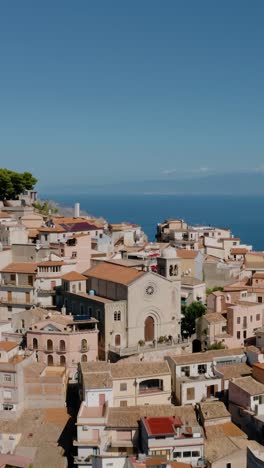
[161,425]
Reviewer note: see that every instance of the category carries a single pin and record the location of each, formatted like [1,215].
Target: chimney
[76,210]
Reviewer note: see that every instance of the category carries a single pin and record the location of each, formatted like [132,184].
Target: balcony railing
[26,302]
[143,391]
[92,442]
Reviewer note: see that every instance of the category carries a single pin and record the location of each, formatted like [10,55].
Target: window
[185,371]
[196,453]
[9,308]
[7,378]
[238,320]
[244,333]
[13,277]
[8,407]
[228,465]
[35,343]
[190,393]
[7,395]
[85,428]
[123,387]
[84,346]
[84,358]
[186,454]
[177,455]
[238,335]
[258,317]
[123,403]
[117,316]
[202,369]
[251,318]
[260,299]
[80,286]
[74,254]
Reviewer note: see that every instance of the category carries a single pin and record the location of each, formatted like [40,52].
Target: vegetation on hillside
[13,184]
[45,208]
[190,313]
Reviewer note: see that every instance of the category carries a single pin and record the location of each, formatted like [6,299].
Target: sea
[244,215]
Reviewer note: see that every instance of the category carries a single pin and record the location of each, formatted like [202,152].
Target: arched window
[50,360]
[50,345]
[62,345]
[84,345]
[117,340]
[35,343]
[84,358]
[62,360]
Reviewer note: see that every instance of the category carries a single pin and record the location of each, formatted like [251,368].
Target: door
[117,340]
[149,329]
[9,296]
[101,399]
[30,280]
[27,297]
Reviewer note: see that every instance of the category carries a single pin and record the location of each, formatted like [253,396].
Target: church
[131,305]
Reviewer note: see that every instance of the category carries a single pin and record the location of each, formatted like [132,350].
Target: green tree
[216,288]
[191,313]
[12,183]
[217,345]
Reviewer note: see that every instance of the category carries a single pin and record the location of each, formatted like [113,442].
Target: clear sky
[103,91]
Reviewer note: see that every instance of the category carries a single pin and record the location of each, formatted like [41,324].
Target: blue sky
[98,92]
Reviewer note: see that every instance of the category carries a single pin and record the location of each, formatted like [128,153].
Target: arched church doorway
[149,331]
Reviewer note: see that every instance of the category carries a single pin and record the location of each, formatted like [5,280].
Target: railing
[5,300]
[126,351]
[142,391]
[84,349]
[61,350]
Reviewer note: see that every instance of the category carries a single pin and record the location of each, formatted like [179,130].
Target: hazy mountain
[218,184]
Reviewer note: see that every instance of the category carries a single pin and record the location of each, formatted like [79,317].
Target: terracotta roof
[80,226]
[227,429]
[249,385]
[52,229]
[114,273]
[214,409]
[139,369]
[73,276]
[52,263]
[238,251]
[20,268]
[238,370]
[206,356]
[161,425]
[4,215]
[258,276]
[187,254]
[96,380]
[128,417]
[33,233]
[214,317]
[7,345]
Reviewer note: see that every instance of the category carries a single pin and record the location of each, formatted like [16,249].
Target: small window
[238,335]
[244,333]
[260,299]
[9,308]
[229,465]
[190,393]
[177,455]
[251,318]
[258,317]
[185,370]
[117,316]
[7,378]
[202,369]
[186,454]
[238,320]
[196,453]
[13,277]
[123,387]
[123,403]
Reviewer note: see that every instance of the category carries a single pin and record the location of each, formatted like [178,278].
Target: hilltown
[119,352]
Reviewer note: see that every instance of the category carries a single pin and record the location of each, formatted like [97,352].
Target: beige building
[132,306]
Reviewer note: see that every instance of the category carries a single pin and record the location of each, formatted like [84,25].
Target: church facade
[131,306]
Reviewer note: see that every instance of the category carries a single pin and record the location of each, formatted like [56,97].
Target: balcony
[61,350]
[16,301]
[88,442]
